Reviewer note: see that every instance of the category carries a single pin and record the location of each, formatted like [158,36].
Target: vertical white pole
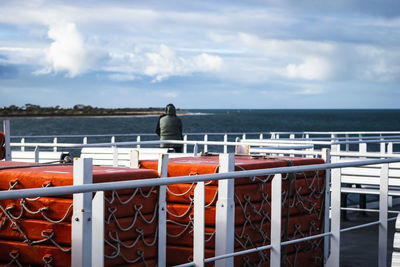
[347,145]
[390,148]
[261,136]
[225,146]
[291,136]
[98,229]
[195,149]
[334,257]
[205,145]
[134,159]
[55,143]
[6,127]
[162,211]
[326,155]
[84,140]
[115,156]
[244,136]
[112,139]
[363,147]
[36,154]
[383,146]
[276,210]
[198,225]
[225,213]
[383,215]
[22,142]
[138,140]
[185,145]
[81,232]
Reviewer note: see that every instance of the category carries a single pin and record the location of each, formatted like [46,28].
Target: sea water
[218,121]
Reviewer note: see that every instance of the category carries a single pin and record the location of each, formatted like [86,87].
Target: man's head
[170,109]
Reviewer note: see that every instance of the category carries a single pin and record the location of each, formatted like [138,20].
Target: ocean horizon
[217,121]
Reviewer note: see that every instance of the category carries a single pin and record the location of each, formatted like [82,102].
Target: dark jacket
[169,127]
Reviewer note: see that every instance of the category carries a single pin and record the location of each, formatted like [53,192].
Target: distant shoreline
[35,111]
[142,114]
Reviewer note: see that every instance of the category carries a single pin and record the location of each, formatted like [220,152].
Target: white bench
[257,146]
[370,175]
[29,156]
[109,156]
[367,180]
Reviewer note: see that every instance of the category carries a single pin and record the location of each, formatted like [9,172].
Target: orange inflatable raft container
[302,209]
[37,231]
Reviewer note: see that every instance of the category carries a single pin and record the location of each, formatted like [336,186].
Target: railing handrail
[212,133]
[64,190]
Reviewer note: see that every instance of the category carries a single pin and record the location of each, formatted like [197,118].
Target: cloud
[68,51]
[166,63]
[313,68]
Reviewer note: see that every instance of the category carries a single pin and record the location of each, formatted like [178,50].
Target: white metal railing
[325,139]
[82,251]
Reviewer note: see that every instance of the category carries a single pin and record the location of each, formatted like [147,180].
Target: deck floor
[360,247]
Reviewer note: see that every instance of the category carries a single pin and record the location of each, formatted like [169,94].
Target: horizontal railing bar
[155,142]
[359,226]
[363,154]
[214,133]
[238,253]
[243,252]
[366,141]
[64,190]
[185,264]
[289,242]
[369,210]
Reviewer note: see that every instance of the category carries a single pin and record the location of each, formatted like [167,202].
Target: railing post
[390,148]
[112,139]
[84,141]
[55,143]
[334,257]
[205,145]
[185,145]
[326,155]
[383,215]
[162,211]
[36,152]
[81,232]
[198,225]
[244,136]
[195,149]
[115,156]
[382,146]
[276,224]
[363,147]
[138,140]
[134,159]
[98,229]
[225,146]
[7,132]
[225,213]
[22,142]
[347,145]
[261,136]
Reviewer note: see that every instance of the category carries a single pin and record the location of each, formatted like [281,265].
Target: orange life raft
[37,231]
[302,209]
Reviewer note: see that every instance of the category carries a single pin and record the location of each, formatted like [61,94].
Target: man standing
[169,127]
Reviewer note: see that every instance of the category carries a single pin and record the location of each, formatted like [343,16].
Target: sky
[201,54]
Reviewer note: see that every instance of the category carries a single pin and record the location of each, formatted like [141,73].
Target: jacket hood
[170,109]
